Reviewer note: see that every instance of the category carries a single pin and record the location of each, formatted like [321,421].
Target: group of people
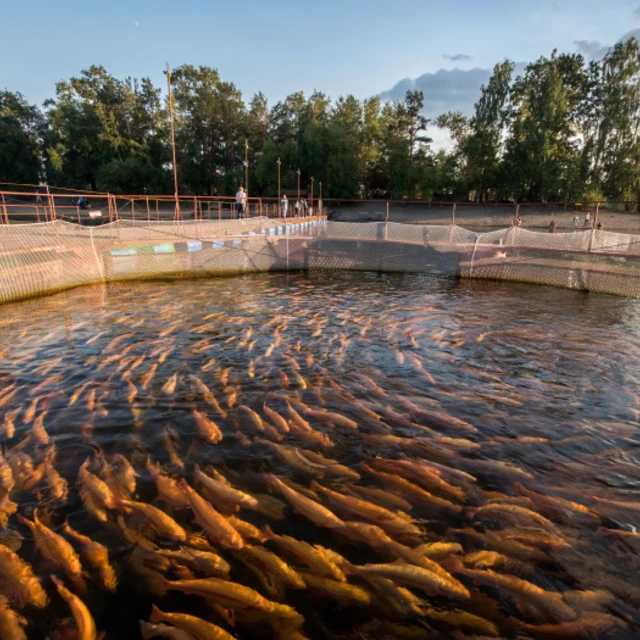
[300,206]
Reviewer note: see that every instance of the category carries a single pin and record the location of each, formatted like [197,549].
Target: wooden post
[133,209]
[516,215]
[595,217]
[148,213]
[453,214]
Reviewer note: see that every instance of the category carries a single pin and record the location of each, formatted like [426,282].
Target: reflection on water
[463,454]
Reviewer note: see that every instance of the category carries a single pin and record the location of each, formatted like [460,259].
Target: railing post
[148,212]
[52,204]
[4,210]
[453,214]
[595,217]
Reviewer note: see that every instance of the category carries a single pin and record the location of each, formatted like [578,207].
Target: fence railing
[44,204]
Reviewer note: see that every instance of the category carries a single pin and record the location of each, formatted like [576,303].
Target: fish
[550,603]
[199,560]
[169,386]
[158,520]
[276,419]
[222,592]
[198,628]
[221,489]
[331,417]
[167,487]
[250,416]
[208,396]
[96,555]
[279,575]
[416,578]
[149,630]
[310,509]
[343,592]
[215,524]
[207,429]
[96,495]
[53,547]
[314,557]
[124,474]
[591,625]
[84,620]
[12,625]
[18,583]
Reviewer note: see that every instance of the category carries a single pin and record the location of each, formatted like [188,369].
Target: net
[45,257]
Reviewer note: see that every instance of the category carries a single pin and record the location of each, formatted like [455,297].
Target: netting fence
[44,257]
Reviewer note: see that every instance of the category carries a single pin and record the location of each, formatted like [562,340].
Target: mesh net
[45,257]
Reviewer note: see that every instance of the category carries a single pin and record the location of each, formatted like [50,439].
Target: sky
[363,47]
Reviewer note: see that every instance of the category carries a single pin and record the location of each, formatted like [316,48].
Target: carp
[215,524]
[207,429]
[167,487]
[53,547]
[227,594]
[97,555]
[18,582]
[314,511]
[82,616]
[198,628]
[221,489]
[159,521]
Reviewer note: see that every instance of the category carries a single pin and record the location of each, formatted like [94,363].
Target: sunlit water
[549,378]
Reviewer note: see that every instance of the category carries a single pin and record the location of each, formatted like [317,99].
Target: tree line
[563,130]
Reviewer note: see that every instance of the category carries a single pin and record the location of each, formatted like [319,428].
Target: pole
[453,214]
[246,168]
[298,191]
[173,143]
[516,216]
[320,200]
[312,181]
[595,217]
[279,163]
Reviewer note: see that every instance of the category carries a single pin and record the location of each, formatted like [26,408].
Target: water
[548,377]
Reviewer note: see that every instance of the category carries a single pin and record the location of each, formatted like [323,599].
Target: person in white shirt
[284,205]
[241,203]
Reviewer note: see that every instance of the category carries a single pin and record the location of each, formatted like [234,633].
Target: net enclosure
[44,257]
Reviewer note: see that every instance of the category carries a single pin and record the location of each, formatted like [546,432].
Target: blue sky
[364,47]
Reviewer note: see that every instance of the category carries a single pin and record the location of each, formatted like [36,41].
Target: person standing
[241,203]
[587,219]
[284,205]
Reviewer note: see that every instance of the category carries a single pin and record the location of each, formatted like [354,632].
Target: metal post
[595,217]
[52,205]
[133,209]
[173,143]
[279,163]
[246,169]
[312,181]
[148,213]
[298,192]
[386,221]
[320,200]
[453,214]
[158,209]
[4,210]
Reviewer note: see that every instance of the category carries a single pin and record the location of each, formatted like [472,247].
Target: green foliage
[21,131]
[563,130]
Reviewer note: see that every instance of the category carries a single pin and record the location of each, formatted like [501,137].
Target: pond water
[463,453]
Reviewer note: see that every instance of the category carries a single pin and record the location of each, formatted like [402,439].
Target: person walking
[284,205]
[241,203]
[587,219]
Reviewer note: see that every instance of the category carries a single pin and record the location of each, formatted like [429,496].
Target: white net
[44,257]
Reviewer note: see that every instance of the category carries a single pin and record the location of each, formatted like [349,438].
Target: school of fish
[293,457]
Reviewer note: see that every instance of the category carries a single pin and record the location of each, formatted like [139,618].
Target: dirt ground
[478,217]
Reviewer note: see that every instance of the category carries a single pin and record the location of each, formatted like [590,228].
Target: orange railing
[43,204]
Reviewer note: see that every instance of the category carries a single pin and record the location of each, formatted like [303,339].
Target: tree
[99,127]
[22,128]
[543,148]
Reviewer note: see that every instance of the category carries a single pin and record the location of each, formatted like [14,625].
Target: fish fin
[156,614]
